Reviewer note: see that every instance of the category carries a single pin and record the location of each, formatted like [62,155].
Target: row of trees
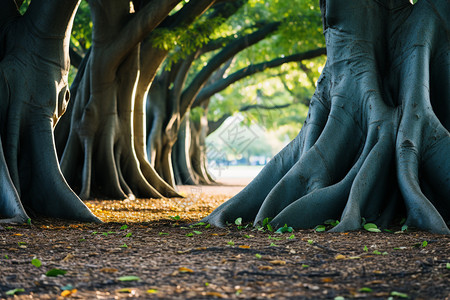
[141,67]
[148,63]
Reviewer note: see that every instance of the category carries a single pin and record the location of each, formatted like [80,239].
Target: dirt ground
[147,249]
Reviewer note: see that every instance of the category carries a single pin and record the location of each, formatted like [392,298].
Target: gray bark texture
[376,142]
[100,158]
[34,66]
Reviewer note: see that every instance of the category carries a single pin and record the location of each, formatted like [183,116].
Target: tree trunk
[100,157]
[34,65]
[376,142]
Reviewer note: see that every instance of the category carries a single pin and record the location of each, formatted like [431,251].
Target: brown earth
[175,261]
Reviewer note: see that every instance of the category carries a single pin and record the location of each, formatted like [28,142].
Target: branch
[210,90]
[265,107]
[228,52]
[143,22]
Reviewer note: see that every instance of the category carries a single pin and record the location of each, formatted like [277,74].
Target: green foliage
[55,272]
[371,227]
[36,262]
[14,291]
[284,229]
[320,228]
[129,278]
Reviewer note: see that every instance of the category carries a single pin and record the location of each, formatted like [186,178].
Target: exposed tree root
[34,94]
[372,146]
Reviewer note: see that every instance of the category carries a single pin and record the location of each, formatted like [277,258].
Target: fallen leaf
[339,256]
[278,262]
[124,290]
[67,293]
[68,257]
[214,294]
[244,246]
[265,268]
[327,279]
[129,278]
[185,270]
[14,291]
[55,272]
[108,270]
[152,291]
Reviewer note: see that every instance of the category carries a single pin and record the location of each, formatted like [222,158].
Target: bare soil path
[147,249]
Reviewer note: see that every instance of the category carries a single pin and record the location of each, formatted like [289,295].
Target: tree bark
[34,66]
[376,142]
[100,157]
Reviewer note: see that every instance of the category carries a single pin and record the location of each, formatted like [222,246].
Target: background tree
[186,85]
[34,64]
[102,155]
[376,141]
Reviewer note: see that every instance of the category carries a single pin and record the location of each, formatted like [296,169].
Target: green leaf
[123,246]
[258,256]
[14,291]
[447,265]
[320,228]
[305,266]
[163,233]
[365,248]
[82,240]
[124,227]
[398,294]
[190,234]
[9,227]
[197,232]
[291,237]
[266,221]
[284,229]
[129,278]
[6,256]
[128,234]
[424,244]
[376,252]
[29,221]
[339,298]
[36,262]
[363,221]
[310,242]
[175,218]
[94,232]
[273,245]
[208,225]
[365,290]
[388,230]
[371,227]
[55,272]
[231,243]
[331,222]
[247,236]
[238,221]
[405,227]
[269,227]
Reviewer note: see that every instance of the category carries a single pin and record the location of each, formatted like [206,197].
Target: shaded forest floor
[147,249]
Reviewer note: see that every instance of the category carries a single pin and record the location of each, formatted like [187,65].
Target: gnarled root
[376,149]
